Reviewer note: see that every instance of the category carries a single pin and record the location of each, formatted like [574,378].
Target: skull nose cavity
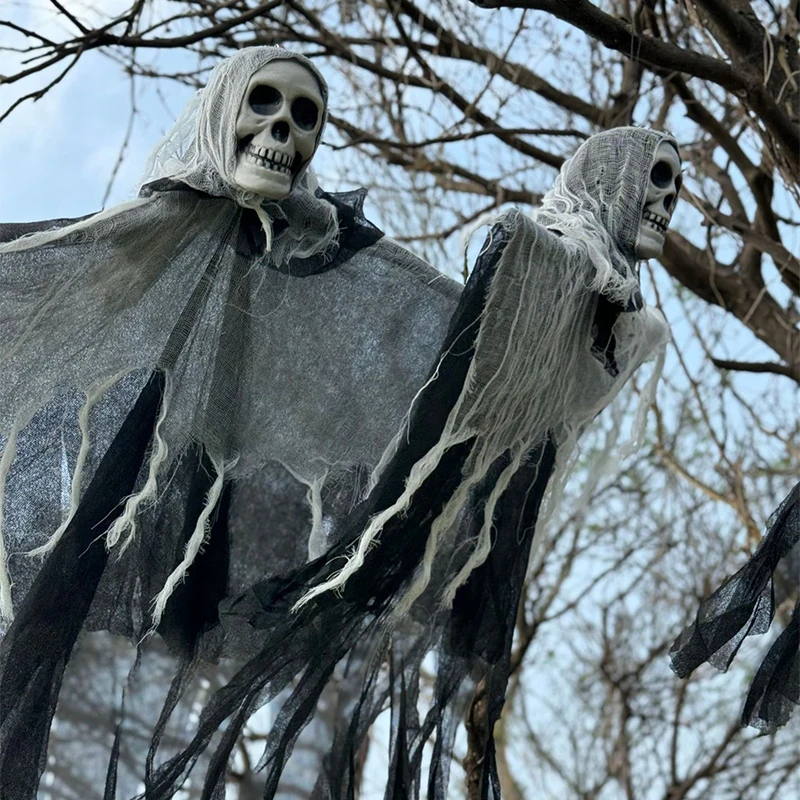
[280,131]
[669,201]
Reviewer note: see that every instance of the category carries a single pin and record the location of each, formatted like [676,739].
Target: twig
[128,132]
[755,366]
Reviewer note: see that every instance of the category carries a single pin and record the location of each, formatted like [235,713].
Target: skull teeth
[271,159]
[656,221]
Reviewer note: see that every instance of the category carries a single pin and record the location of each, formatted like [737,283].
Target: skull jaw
[649,242]
[269,183]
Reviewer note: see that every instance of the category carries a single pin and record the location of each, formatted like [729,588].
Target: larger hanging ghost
[169,366]
[180,370]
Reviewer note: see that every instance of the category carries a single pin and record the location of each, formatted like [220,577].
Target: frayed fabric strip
[444,523]
[126,522]
[441,525]
[93,396]
[6,606]
[195,542]
[484,543]
[316,538]
[266,225]
[420,471]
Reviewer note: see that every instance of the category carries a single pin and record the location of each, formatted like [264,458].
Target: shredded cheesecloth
[288,462]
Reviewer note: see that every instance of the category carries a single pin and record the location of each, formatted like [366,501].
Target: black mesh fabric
[745,606]
[38,644]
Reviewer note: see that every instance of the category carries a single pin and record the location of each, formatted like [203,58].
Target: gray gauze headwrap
[265,363]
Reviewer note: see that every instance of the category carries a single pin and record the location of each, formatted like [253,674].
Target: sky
[57,154]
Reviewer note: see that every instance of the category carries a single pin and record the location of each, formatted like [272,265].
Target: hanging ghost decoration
[432,561]
[176,373]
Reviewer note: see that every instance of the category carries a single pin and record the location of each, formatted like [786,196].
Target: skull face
[277,128]
[662,194]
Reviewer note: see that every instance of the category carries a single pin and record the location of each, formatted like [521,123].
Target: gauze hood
[200,149]
[598,199]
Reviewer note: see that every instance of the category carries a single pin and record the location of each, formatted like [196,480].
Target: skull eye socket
[305,113]
[265,100]
[661,174]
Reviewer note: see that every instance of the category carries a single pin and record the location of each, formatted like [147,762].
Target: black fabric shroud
[39,642]
[745,606]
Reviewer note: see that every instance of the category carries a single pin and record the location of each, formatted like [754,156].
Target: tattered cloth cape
[270,380]
[745,606]
[305,370]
